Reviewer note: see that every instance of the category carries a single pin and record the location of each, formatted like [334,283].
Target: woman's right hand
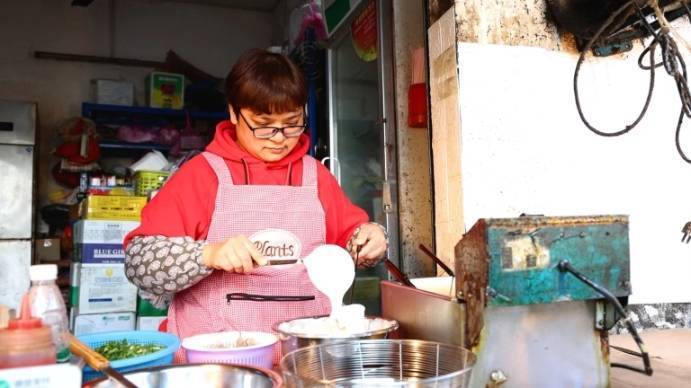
[236,254]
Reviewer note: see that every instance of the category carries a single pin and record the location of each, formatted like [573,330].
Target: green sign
[336,11]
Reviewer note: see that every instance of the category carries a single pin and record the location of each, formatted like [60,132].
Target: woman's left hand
[371,241]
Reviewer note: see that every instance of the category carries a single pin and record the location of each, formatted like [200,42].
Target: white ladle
[332,271]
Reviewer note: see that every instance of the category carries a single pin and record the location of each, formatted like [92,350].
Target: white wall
[212,38]
[209,37]
[524,149]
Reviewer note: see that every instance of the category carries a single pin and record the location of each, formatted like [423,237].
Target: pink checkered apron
[247,209]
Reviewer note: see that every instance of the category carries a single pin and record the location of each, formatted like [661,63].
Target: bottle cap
[25,320]
[43,272]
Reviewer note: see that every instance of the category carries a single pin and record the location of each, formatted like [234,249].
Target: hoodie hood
[225,145]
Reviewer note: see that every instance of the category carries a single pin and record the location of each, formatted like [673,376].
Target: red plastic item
[25,320]
[26,341]
[163,326]
[417,105]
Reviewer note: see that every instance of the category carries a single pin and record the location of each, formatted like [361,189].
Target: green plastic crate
[148,181]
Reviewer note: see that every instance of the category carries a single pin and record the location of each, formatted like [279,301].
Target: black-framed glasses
[269,132]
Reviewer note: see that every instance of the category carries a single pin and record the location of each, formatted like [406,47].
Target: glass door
[362,142]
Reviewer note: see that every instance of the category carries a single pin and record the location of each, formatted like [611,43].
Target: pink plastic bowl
[204,348]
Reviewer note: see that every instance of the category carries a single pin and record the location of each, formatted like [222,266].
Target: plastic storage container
[148,181]
[26,341]
[47,304]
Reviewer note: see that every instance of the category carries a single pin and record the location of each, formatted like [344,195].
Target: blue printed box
[99,253]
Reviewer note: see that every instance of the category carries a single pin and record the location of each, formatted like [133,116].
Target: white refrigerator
[17,183]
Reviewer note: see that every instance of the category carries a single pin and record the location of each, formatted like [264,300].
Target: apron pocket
[267,298]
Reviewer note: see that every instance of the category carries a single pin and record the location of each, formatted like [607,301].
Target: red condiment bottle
[26,341]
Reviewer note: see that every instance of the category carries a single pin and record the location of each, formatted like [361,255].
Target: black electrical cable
[565,266]
[677,133]
[672,61]
[581,58]
[670,55]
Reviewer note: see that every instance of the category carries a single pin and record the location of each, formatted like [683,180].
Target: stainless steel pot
[197,375]
[293,341]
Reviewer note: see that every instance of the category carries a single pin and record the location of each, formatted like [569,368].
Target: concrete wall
[414,193]
[209,37]
[524,148]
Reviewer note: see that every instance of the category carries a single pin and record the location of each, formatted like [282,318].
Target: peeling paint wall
[519,23]
[414,180]
[446,146]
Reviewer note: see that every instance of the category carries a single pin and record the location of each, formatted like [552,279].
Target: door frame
[386,108]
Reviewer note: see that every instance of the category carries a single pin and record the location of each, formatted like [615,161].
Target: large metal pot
[197,375]
[292,341]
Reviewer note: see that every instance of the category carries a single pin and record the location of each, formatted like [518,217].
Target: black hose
[565,266]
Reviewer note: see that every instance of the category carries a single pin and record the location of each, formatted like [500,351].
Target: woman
[253,198]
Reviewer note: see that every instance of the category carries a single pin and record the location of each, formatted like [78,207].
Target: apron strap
[309,171]
[218,164]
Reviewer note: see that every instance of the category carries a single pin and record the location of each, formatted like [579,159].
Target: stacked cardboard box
[103,298]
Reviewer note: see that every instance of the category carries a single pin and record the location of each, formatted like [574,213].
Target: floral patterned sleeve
[160,266]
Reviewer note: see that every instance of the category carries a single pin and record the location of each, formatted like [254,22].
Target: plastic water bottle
[47,304]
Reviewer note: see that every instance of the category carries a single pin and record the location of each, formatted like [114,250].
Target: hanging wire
[581,58]
[671,60]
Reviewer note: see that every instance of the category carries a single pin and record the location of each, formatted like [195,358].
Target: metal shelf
[119,114]
[139,115]
[121,145]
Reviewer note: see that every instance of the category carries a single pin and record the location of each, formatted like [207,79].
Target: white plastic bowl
[203,349]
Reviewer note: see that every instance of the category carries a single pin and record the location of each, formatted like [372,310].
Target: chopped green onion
[120,350]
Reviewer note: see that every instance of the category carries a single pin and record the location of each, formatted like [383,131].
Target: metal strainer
[378,363]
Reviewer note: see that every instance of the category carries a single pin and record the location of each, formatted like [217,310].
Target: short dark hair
[265,82]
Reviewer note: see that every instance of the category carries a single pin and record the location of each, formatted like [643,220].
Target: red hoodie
[186,203]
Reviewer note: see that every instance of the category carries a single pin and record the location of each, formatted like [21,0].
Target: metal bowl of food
[197,375]
[301,332]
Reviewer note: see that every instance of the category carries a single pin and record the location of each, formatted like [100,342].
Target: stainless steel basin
[379,363]
[197,375]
